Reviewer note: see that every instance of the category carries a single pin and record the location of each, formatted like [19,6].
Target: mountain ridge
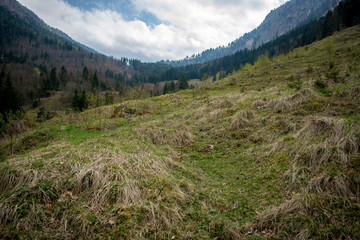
[29,15]
[295,12]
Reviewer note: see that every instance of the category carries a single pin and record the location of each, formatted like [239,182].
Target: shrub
[109,98]
[262,60]
[309,69]
[325,91]
[334,75]
[319,84]
[295,83]
[42,115]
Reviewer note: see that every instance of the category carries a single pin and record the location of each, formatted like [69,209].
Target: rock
[208,147]
[235,206]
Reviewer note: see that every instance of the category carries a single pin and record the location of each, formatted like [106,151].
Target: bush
[295,83]
[309,69]
[319,84]
[325,91]
[109,98]
[262,61]
[42,115]
[334,75]
[79,102]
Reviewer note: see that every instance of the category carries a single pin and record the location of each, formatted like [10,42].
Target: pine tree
[79,103]
[83,103]
[63,79]
[11,101]
[2,97]
[95,82]
[172,87]
[75,100]
[166,89]
[183,83]
[53,80]
[85,74]
[109,98]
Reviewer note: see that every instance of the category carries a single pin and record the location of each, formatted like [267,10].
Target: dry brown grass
[336,146]
[243,119]
[133,183]
[321,155]
[308,216]
[320,127]
[157,134]
[286,104]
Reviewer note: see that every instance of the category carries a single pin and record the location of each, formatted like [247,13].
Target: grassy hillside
[270,152]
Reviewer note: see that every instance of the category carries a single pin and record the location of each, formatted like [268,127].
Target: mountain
[278,22]
[30,18]
[30,50]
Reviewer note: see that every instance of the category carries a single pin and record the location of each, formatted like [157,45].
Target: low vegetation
[269,152]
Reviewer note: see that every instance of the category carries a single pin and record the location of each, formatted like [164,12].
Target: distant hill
[278,22]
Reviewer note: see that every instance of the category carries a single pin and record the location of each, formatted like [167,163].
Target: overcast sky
[152,30]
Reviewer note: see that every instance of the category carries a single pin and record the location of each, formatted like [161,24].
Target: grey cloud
[189,26]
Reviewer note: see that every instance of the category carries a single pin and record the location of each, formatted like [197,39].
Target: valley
[271,151]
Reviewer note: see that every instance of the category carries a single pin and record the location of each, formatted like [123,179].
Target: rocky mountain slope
[279,21]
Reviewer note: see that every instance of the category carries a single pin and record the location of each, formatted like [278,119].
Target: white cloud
[189,26]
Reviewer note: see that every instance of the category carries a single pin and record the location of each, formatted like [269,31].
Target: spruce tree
[95,82]
[183,83]
[166,89]
[75,100]
[83,103]
[53,80]
[11,101]
[85,74]
[172,87]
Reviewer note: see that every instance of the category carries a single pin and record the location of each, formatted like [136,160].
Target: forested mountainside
[40,59]
[346,14]
[270,152]
[290,15]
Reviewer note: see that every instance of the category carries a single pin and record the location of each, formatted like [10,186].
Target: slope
[269,152]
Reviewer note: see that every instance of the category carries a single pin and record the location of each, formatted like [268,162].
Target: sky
[153,30]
